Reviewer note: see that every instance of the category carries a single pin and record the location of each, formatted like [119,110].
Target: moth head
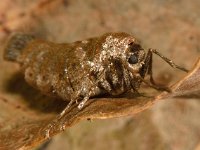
[124,48]
[135,57]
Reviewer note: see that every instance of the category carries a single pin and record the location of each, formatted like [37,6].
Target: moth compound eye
[133,59]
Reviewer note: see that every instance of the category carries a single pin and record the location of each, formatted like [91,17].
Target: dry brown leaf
[25,113]
[22,127]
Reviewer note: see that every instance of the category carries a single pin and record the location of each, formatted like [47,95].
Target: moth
[113,63]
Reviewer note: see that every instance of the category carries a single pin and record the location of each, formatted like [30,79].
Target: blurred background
[172,27]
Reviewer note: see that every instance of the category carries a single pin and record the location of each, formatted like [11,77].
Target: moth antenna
[170,62]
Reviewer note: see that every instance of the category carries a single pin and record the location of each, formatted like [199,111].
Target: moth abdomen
[15,45]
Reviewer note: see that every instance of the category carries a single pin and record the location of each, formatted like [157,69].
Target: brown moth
[113,63]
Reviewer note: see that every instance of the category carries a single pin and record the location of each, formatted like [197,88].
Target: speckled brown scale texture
[113,63]
[89,67]
[152,121]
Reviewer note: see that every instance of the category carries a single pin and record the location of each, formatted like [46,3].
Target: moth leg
[147,69]
[150,72]
[67,107]
[138,93]
[74,100]
[92,91]
[170,62]
[155,86]
[82,103]
[58,118]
